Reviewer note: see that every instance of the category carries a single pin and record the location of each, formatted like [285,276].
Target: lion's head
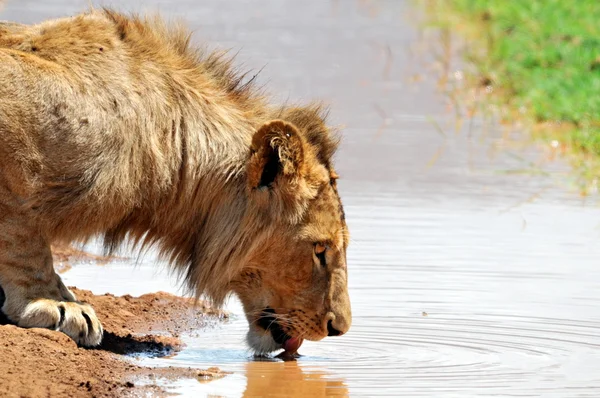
[294,285]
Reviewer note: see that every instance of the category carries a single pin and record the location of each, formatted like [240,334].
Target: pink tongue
[292,345]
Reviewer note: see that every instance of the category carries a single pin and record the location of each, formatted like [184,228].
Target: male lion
[113,125]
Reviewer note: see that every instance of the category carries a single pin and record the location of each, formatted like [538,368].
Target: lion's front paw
[76,320]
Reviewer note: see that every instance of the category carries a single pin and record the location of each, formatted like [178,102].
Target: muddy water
[472,272]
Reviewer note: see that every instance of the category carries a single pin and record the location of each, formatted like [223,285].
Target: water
[472,273]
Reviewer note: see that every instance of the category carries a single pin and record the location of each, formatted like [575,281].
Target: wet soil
[42,363]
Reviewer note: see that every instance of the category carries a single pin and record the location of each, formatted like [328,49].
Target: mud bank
[42,363]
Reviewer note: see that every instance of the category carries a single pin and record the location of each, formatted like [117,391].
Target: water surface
[471,273]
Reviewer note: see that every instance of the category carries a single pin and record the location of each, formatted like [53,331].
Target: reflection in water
[289,379]
[316,373]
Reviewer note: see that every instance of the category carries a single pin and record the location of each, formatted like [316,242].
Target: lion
[114,125]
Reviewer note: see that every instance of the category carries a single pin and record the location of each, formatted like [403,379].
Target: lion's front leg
[34,295]
[77,320]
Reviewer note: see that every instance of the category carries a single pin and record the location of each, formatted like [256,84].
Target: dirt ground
[45,363]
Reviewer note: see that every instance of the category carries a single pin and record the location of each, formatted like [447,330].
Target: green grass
[543,55]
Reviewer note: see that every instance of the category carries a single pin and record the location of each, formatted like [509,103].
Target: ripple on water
[444,354]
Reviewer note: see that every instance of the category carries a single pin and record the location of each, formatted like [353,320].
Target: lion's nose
[331,331]
[336,325]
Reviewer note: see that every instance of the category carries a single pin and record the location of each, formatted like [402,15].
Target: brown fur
[114,125]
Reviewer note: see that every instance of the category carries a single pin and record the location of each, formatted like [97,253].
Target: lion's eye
[320,250]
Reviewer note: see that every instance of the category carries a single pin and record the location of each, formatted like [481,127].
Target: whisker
[281,319]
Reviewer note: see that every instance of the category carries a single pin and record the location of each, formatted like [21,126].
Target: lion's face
[295,283]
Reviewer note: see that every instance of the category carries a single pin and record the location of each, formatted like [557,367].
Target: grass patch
[541,56]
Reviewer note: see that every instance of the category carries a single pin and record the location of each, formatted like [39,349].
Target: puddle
[466,279]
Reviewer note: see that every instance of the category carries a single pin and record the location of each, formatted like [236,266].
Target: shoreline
[505,52]
[41,362]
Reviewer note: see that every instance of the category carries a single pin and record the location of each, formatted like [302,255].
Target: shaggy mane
[192,254]
[153,32]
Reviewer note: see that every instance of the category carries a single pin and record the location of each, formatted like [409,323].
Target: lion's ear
[277,152]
